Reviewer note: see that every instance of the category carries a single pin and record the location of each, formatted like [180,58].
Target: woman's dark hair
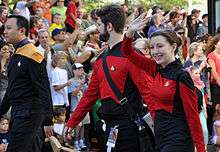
[113,14]
[173,15]
[211,44]
[170,36]
[140,10]
[21,22]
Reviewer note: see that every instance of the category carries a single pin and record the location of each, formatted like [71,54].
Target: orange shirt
[45,5]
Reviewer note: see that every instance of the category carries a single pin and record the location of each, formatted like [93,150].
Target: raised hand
[137,24]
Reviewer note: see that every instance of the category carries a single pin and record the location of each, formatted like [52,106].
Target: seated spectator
[4,134]
[59,116]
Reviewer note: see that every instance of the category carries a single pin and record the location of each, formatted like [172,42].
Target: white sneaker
[82,144]
[76,145]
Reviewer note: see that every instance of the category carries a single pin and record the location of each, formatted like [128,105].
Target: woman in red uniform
[175,113]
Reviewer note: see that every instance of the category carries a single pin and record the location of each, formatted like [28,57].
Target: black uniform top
[28,84]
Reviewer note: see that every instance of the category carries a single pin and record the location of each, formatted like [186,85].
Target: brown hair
[210,47]
[170,36]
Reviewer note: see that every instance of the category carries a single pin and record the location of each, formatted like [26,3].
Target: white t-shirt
[58,128]
[59,77]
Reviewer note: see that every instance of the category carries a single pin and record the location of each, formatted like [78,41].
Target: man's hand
[48,130]
[68,133]
[137,25]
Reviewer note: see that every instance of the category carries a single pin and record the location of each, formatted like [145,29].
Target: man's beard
[104,37]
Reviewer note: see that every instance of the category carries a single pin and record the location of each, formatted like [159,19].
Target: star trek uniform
[131,82]
[176,118]
[28,94]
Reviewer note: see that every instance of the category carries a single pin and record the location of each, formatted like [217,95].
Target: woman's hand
[136,25]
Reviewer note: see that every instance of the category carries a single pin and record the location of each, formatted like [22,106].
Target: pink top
[216,59]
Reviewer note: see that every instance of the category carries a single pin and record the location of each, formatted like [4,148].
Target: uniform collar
[21,43]
[173,66]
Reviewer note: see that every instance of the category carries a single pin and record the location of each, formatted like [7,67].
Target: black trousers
[127,140]
[25,131]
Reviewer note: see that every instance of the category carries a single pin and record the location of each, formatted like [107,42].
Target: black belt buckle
[124,100]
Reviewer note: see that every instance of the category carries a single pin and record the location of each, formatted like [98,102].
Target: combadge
[112,68]
[19,64]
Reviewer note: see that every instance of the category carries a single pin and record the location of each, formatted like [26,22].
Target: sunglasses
[181,33]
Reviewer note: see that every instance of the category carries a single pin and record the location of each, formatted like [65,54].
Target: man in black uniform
[28,91]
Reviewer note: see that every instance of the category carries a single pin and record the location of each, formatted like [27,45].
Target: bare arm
[214,72]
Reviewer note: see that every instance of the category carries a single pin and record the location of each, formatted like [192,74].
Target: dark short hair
[21,22]
[173,15]
[113,14]
[204,15]
[58,111]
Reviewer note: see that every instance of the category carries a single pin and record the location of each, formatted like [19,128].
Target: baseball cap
[77,66]
[195,11]
[57,31]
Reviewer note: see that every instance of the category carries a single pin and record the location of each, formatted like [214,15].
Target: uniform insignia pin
[112,68]
[166,84]
[19,63]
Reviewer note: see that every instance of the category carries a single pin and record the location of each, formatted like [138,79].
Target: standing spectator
[203,27]
[59,8]
[71,16]
[214,62]
[39,12]
[4,59]
[174,18]
[22,7]
[46,49]
[183,51]
[3,15]
[77,88]
[37,25]
[155,24]
[59,81]
[45,5]
[28,91]
[193,24]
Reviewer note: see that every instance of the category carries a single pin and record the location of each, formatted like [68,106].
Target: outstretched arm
[142,62]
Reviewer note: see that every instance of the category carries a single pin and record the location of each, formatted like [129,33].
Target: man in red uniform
[129,79]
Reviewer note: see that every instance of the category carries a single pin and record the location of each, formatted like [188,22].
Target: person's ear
[174,47]
[22,30]
[109,27]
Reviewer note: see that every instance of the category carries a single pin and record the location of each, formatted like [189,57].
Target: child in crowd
[76,88]
[59,80]
[216,126]
[4,135]
[200,88]
[59,116]
[57,22]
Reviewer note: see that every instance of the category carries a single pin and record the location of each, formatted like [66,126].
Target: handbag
[145,134]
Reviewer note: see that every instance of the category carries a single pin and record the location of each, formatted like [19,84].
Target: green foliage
[166,4]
